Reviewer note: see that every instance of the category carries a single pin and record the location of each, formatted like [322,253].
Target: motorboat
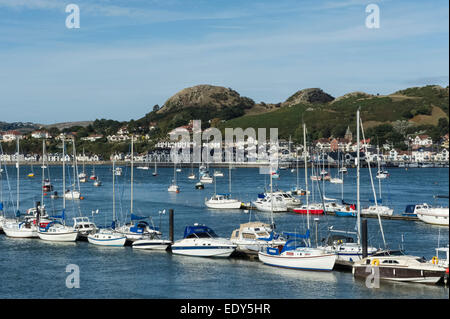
[296,255]
[223,201]
[206,179]
[433,215]
[269,203]
[399,267]
[199,185]
[201,241]
[218,174]
[191,176]
[56,231]
[336,180]
[107,237]
[254,236]
[290,201]
[151,242]
[377,210]
[173,188]
[72,194]
[84,226]
[382,174]
[346,249]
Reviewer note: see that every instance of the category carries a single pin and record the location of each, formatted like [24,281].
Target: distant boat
[206,178]
[174,188]
[218,174]
[98,182]
[199,185]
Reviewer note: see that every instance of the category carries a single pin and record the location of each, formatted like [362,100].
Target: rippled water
[31,268]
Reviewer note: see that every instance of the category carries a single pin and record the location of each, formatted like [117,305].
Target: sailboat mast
[132,161]
[358,204]
[43,172]
[305,155]
[64,172]
[379,170]
[374,192]
[18,179]
[114,190]
[271,196]
[229,178]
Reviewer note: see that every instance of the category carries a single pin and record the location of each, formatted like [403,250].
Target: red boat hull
[310,211]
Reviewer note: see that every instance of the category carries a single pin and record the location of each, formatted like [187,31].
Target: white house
[421,141]
[92,137]
[10,136]
[40,134]
[118,138]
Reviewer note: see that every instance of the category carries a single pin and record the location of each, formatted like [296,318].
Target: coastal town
[422,150]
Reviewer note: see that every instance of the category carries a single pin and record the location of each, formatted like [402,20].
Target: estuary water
[31,268]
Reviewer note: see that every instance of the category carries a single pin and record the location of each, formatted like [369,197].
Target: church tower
[348,135]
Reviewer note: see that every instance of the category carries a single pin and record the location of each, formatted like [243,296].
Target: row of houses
[48,158]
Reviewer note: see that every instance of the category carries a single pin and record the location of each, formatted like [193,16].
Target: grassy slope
[374,110]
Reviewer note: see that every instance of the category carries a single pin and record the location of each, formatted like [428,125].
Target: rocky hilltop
[205,95]
[308,96]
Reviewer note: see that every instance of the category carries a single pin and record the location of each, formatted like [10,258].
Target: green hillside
[379,113]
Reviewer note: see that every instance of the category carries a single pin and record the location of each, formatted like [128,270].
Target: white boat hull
[113,241]
[380,210]
[231,204]
[16,232]
[61,237]
[434,219]
[324,262]
[203,248]
[151,244]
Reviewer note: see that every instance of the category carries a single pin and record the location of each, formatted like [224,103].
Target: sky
[128,55]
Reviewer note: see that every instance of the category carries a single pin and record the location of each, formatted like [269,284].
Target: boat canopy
[410,209]
[295,235]
[189,230]
[292,245]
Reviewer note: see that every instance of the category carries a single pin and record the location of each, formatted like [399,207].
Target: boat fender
[434,260]
[375,262]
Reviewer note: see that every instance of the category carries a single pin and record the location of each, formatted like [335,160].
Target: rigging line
[7,180]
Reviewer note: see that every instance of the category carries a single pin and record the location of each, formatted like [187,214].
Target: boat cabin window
[201,235]
[262,234]
[248,236]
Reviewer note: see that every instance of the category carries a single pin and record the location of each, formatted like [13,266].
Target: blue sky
[128,55]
